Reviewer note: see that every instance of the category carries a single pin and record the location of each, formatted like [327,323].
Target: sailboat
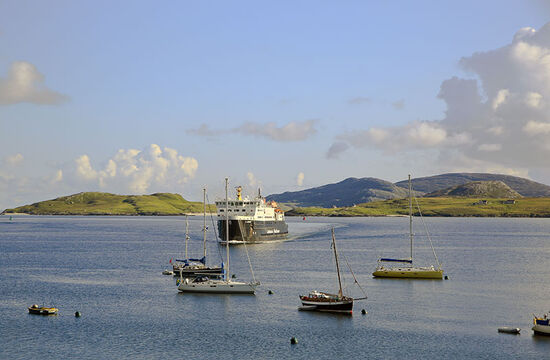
[209,284]
[322,301]
[189,267]
[408,270]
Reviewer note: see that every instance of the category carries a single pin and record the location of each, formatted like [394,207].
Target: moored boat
[42,310]
[321,301]
[327,302]
[407,270]
[541,325]
[509,330]
[191,267]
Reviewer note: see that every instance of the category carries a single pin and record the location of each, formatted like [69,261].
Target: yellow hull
[409,273]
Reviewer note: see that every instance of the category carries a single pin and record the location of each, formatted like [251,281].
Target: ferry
[250,220]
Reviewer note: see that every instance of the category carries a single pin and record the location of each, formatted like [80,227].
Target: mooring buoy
[364,312]
[293,340]
[233,276]
[270,292]
[77,314]
[446,277]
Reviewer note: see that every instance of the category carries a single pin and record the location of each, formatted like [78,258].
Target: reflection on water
[109,269]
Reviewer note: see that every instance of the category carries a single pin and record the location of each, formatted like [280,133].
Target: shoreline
[529,216]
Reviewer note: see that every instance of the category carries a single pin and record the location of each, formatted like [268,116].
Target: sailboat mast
[410,216]
[227,227]
[204,223]
[186,235]
[340,293]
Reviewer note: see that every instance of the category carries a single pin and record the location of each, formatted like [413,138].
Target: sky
[138,97]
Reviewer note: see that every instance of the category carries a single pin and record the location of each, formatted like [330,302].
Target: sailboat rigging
[408,270]
[326,302]
[208,284]
[190,267]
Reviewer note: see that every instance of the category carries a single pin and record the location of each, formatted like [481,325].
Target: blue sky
[141,97]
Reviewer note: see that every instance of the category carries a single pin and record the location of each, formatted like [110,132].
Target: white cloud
[500,98]
[489,147]
[15,159]
[290,132]
[135,171]
[533,100]
[251,179]
[58,177]
[536,128]
[300,179]
[25,83]
[359,100]
[496,118]
[84,169]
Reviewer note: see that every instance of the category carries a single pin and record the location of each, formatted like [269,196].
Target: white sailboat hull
[218,287]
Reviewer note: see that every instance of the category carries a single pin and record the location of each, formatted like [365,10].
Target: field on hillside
[441,206]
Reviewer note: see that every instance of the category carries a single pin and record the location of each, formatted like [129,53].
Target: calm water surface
[109,269]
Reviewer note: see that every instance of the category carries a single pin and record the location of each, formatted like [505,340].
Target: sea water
[109,269]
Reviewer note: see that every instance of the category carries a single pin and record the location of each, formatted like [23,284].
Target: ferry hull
[250,231]
[411,273]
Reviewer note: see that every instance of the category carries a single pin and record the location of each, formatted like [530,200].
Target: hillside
[97,203]
[439,206]
[525,187]
[344,193]
[485,189]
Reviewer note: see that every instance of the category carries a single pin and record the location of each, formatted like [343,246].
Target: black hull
[328,306]
[253,231]
[192,272]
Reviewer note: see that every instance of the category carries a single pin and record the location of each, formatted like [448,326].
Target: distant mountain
[344,193]
[486,189]
[98,203]
[524,187]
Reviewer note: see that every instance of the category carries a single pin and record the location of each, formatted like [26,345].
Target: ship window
[244,210]
[221,210]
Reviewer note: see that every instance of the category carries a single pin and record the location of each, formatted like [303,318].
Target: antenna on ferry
[259,193]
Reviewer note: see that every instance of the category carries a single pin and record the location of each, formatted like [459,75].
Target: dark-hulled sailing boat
[192,267]
[322,301]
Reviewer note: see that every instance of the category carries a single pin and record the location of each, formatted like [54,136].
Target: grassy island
[98,203]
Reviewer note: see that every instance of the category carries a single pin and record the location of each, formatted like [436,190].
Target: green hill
[525,187]
[439,206]
[344,193]
[487,189]
[97,203]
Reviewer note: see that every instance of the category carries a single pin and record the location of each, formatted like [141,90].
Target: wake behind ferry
[251,221]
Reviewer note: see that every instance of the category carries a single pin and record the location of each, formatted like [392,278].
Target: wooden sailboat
[190,267]
[408,270]
[212,285]
[322,301]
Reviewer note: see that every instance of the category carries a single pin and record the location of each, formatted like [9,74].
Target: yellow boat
[35,309]
[408,271]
